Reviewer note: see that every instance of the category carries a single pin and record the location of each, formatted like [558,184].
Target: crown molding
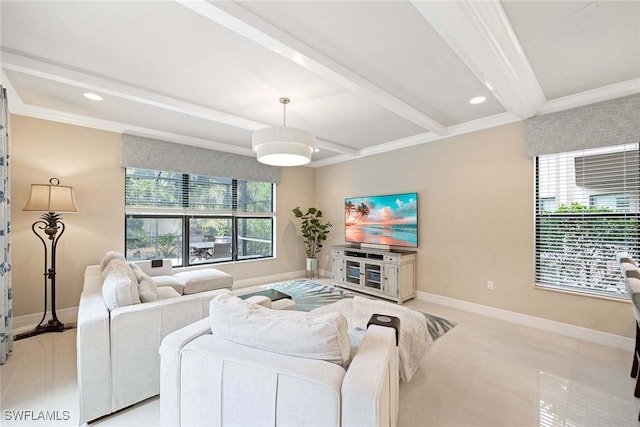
[423,138]
[22,109]
[18,107]
[605,93]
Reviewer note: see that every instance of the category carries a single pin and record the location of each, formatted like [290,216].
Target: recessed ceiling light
[477,100]
[92,96]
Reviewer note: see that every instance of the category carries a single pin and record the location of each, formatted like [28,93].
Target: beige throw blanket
[414,340]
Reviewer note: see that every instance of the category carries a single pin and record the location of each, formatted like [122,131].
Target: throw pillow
[294,333]
[120,286]
[166,292]
[108,257]
[146,286]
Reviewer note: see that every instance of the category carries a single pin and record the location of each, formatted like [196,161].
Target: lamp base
[51,326]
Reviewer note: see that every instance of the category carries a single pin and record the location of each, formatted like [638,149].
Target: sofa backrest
[230,384]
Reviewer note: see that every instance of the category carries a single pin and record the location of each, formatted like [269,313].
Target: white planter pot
[312,267]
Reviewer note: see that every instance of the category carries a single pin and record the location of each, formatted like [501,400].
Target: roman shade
[597,125]
[146,153]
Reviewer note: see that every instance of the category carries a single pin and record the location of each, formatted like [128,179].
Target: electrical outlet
[490,284]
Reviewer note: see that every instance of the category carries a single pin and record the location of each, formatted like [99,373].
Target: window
[195,219]
[587,208]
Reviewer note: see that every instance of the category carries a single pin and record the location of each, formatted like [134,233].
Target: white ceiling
[364,77]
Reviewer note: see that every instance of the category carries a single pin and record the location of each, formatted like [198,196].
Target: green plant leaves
[313,230]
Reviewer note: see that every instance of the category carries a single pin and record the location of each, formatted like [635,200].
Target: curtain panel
[147,153]
[6,307]
[593,126]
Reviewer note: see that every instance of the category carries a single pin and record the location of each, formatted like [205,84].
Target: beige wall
[475,208]
[476,223]
[89,160]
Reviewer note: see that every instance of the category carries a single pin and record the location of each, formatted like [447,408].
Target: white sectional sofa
[118,336]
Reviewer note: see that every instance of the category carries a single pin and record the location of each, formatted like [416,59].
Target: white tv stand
[384,273]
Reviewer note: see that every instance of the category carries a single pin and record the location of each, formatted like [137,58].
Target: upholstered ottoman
[209,279]
[170,281]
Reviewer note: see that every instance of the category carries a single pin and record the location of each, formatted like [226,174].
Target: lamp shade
[51,198]
[283,146]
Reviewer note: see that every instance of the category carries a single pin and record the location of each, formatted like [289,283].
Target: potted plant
[314,233]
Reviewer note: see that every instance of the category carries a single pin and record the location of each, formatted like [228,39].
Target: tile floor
[484,372]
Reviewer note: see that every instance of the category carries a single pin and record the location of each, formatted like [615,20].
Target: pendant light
[283,146]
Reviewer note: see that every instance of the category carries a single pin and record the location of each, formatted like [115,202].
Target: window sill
[623,299]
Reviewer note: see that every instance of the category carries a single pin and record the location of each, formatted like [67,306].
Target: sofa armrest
[170,350]
[136,333]
[369,390]
[93,357]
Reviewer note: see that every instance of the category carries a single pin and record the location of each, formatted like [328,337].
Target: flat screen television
[390,220]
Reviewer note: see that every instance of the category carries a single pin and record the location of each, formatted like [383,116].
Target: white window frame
[575,245]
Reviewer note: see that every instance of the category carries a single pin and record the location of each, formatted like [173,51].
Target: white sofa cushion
[166,292]
[120,286]
[146,286]
[207,279]
[293,333]
[108,257]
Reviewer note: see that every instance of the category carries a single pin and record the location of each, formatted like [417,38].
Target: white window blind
[196,219]
[160,191]
[587,205]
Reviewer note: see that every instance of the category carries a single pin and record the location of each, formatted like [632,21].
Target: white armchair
[231,377]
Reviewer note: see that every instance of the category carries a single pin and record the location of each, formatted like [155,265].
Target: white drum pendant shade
[283,146]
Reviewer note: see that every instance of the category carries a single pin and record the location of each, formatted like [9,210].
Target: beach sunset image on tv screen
[385,220]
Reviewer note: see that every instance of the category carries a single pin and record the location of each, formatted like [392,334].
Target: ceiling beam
[238,19]
[480,33]
[14,61]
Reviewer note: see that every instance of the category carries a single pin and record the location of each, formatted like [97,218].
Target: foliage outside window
[194,219]
[587,205]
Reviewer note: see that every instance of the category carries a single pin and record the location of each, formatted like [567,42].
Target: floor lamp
[49,198]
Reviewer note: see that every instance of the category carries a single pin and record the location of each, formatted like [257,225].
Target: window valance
[147,153]
[597,125]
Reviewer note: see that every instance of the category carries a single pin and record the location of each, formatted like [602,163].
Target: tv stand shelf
[387,274]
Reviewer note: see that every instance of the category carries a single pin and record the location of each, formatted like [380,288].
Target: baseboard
[263,280]
[586,334]
[70,315]
[27,322]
